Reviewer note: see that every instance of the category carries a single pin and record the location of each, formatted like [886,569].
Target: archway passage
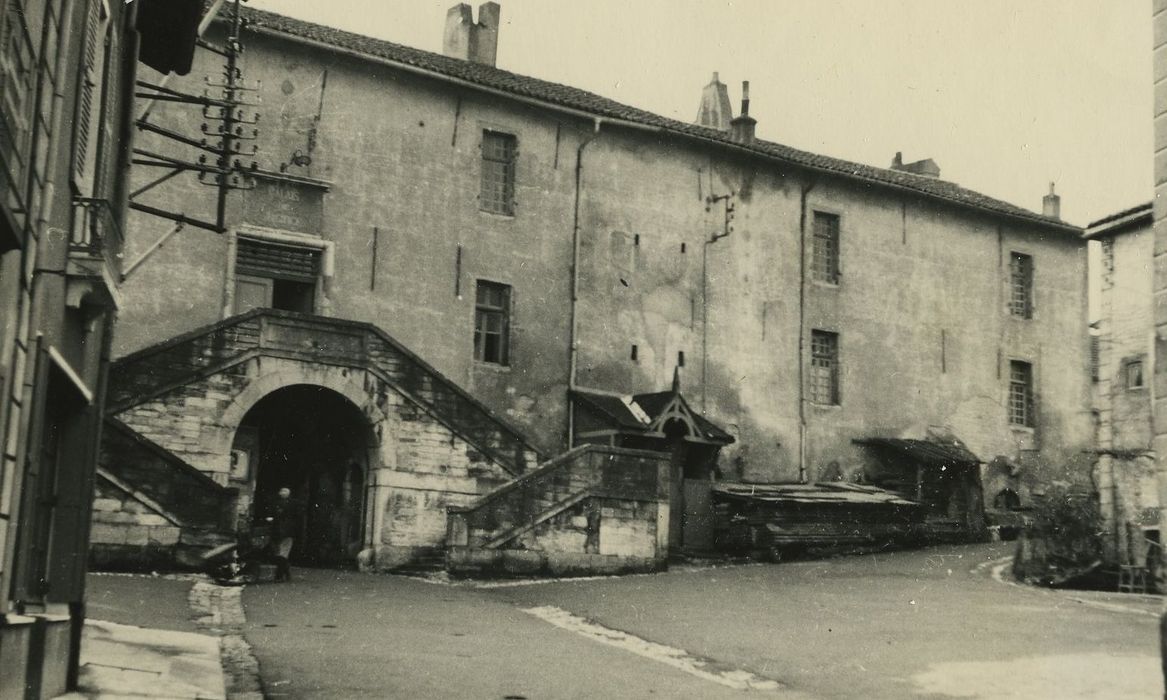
[315,442]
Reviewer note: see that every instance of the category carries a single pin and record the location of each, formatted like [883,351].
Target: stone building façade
[1124,367]
[531,245]
[66,84]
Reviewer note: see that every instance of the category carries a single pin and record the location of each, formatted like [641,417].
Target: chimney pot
[742,128]
[486,46]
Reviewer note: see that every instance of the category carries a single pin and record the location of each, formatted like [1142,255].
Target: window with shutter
[17,76]
[89,90]
[108,175]
[274,275]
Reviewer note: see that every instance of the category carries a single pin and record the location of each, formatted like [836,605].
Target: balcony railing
[97,232]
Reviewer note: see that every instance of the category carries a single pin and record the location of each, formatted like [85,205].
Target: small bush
[1062,541]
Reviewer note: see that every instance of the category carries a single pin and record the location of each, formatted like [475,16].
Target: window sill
[480,365]
[1023,429]
[824,283]
[496,214]
[826,406]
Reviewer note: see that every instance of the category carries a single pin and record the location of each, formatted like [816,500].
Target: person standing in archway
[284,521]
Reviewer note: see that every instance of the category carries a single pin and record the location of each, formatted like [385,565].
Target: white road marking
[670,656]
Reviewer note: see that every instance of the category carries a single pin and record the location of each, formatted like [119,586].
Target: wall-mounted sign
[285,203]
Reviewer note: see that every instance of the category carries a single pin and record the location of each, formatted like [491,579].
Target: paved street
[892,626]
[933,624]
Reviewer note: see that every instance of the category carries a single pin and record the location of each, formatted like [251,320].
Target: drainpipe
[802,476]
[573,349]
[714,237]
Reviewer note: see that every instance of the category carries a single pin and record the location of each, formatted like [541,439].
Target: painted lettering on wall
[282,204]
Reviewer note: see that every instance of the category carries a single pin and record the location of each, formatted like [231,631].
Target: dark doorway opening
[315,442]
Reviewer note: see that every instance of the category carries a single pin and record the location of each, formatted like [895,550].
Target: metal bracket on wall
[220,145]
[151,250]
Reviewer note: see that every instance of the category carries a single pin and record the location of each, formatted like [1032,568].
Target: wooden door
[697,524]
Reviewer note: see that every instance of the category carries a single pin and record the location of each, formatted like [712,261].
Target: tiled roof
[592,104]
[1120,221]
[617,410]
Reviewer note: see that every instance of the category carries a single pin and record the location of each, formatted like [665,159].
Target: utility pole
[226,128]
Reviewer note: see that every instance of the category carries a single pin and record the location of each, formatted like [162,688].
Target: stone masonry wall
[127,533]
[1125,472]
[417,464]
[925,338]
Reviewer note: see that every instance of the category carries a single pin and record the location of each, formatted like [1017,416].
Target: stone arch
[335,379]
[364,395]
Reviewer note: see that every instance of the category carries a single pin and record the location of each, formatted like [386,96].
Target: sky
[1006,96]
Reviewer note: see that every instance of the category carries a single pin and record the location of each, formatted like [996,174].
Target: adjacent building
[447,273]
[66,84]
[1124,354]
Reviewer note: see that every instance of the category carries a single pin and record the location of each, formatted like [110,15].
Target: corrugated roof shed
[829,493]
[926,451]
[554,94]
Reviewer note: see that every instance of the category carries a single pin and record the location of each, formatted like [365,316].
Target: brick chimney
[742,127]
[715,110]
[1051,204]
[470,41]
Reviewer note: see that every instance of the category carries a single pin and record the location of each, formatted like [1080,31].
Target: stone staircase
[153,510]
[161,368]
[497,523]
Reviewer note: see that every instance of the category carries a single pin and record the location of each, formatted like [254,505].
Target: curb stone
[220,611]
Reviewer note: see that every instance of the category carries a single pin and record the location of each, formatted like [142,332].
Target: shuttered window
[108,166]
[277,261]
[89,91]
[276,275]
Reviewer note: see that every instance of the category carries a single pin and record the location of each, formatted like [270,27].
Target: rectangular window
[1021,393]
[492,320]
[824,368]
[825,259]
[1021,285]
[1134,374]
[275,275]
[499,152]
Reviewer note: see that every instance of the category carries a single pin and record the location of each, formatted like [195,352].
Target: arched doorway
[315,442]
